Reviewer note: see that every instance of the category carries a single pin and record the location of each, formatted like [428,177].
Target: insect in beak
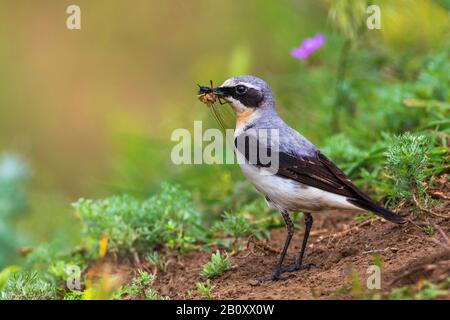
[209,95]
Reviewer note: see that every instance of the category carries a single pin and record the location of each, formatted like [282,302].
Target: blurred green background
[90,112]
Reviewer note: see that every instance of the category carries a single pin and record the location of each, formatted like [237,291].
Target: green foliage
[407,158]
[158,260]
[13,203]
[424,290]
[429,230]
[140,288]
[205,289]
[363,216]
[53,261]
[341,149]
[54,252]
[74,295]
[168,219]
[228,194]
[348,16]
[7,273]
[45,267]
[385,99]
[235,226]
[13,174]
[9,241]
[379,93]
[138,285]
[28,285]
[218,265]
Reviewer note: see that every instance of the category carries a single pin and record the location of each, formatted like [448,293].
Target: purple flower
[308,46]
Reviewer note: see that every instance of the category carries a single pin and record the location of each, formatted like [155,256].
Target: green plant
[341,149]
[151,294]
[74,295]
[205,289]
[424,290]
[429,230]
[7,273]
[407,159]
[140,288]
[217,266]
[158,260]
[55,262]
[236,226]
[363,216]
[167,219]
[28,285]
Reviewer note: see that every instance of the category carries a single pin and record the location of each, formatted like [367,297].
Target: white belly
[292,195]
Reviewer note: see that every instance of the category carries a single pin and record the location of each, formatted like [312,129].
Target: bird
[303,180]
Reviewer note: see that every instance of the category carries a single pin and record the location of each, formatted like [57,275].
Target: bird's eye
[240,89]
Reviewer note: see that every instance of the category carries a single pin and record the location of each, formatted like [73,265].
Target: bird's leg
[298,265]
[308,225]
[276,275]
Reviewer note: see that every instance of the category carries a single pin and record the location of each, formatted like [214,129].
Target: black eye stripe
[251,98]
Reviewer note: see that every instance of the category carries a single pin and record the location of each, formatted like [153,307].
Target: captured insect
[206,94]
[208,97]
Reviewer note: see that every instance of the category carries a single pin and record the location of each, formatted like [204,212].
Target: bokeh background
[89,113]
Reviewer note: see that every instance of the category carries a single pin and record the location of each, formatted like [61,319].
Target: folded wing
[319,172]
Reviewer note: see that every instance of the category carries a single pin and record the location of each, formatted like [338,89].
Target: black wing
[319,172]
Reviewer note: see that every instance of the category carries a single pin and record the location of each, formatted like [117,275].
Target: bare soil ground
[337,245]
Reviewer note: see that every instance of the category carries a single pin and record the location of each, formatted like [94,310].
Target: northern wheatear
[304,180]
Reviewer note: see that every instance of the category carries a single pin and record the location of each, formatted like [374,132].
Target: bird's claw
[297,266]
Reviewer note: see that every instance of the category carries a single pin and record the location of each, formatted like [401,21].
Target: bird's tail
[382,212]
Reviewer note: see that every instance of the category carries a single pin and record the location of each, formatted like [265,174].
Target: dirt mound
[338,245]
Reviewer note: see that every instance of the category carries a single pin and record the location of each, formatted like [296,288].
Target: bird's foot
[297,266]
[276,276]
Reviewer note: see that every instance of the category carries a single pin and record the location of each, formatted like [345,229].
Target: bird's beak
[220,92]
